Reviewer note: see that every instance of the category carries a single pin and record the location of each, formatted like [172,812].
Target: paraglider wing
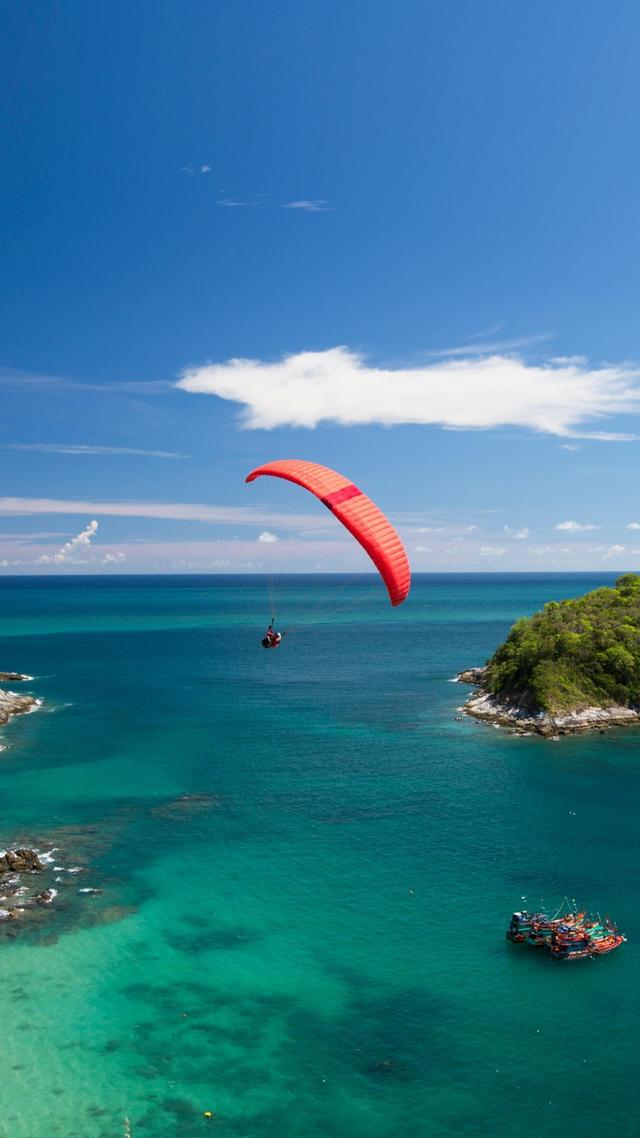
[357,513]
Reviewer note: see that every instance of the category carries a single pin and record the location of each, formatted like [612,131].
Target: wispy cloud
[172,511]
[633,525]
[267,537]
[262,201]
[309,205]
[81,449]
[13,377]
[481,347]
[576,527]
[492,551]
[238,203]
[517,534]
[613,552]
[337,385]
[40,535]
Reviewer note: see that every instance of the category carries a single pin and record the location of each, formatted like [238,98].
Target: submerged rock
[13,677]
[185,806]
[46,897]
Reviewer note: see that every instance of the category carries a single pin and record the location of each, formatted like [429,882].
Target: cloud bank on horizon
[565,397]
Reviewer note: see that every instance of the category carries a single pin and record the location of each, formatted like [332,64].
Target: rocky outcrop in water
[29,884]
[20,861]
[522,719]
[15,894]
[10,702]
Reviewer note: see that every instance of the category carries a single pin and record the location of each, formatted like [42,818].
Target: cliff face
[572,667]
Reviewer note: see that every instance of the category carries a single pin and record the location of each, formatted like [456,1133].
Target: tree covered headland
[574,654]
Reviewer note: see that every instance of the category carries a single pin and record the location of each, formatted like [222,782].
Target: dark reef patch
[211,939]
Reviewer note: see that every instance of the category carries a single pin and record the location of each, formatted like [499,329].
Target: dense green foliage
[574,654]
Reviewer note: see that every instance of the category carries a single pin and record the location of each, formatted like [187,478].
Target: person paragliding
[357,513]
[271,638]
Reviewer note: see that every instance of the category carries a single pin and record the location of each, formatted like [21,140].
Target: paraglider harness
[271,638]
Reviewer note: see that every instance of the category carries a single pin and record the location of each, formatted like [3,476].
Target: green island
[574,666]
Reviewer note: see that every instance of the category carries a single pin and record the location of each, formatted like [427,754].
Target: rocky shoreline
[10,702]
[521,719]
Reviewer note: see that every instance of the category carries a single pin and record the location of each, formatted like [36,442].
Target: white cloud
[71,549]
[205,169]
[338,386]
[576,527]
[633,525]
[492,551]
[80,448]
[612,552]
[267,537]
[517,534]
[113,558]
[309,205]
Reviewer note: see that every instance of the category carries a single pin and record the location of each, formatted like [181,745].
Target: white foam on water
[58,707]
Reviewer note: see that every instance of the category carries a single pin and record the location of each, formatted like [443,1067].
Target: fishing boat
[537,928]
[569,935]
[520,925]
[593,938]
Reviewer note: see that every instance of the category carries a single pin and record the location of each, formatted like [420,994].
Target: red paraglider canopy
[357,513]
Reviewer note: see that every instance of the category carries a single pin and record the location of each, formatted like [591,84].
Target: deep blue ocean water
[306,865]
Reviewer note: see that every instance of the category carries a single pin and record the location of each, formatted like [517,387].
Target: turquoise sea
[306,865]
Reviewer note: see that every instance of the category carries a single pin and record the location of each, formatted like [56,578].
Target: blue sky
[419,221]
